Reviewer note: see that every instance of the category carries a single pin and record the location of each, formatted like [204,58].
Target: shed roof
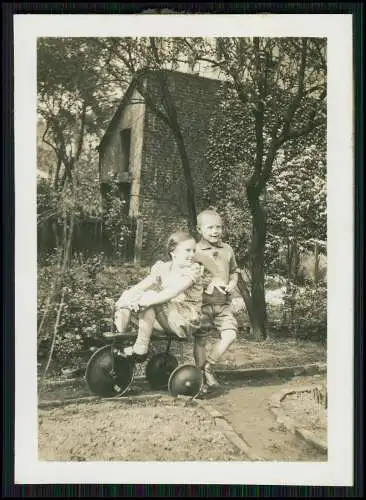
[125,99]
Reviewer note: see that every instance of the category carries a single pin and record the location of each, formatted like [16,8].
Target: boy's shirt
[219,262]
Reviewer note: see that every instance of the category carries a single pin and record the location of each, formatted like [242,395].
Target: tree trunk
[257,264]
[316,263]
[245,293]
[258,297]
[191,203]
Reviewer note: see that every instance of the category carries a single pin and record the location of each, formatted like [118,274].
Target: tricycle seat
[128,336]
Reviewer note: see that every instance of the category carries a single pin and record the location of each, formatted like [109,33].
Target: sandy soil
[310,415]
[245,407]
[149,431]
[245,353]
[111,431]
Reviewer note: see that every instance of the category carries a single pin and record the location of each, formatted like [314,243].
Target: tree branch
[312,125]
[198,57]
[300,90]
[151,104]
[82,129]
[165,94]
[49,143]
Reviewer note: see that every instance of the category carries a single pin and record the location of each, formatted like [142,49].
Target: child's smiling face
[184,253]
[211,228]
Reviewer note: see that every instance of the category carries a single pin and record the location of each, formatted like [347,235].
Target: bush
[303,313]
[274,281]
[86,313]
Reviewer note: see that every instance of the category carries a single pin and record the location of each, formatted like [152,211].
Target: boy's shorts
[216,316]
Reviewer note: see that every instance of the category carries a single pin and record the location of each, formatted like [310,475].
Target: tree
[75,98]
[225,188]
[296,204]
[281,85]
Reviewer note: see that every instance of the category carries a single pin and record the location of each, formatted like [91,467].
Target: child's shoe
[128,353]
[203,392]
[209,376]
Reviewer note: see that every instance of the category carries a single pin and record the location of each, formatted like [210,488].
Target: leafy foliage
[296,195]
[295,198]
[264,170]
[303,313]
[118,226]
[226,187]
[276,110]
[86,313]
[76,94]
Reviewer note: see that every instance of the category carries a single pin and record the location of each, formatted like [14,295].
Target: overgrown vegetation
[267,157]
[87,289]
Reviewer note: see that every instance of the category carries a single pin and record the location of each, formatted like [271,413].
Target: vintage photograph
[182,249]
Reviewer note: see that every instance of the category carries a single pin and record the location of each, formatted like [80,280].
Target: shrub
[303,313]
[86,312]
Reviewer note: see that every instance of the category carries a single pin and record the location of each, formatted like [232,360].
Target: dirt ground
[117,431]
[311,416]
[245,405]
[105,430]
[245,353]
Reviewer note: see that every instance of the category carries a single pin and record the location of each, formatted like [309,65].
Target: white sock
[227,338]
[146,322]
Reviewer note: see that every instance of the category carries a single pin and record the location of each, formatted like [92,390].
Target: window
[125,136]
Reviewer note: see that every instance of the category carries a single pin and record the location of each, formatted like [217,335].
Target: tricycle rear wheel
[108,375]
[159,368]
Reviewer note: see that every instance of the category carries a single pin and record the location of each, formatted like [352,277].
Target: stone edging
[274,405]
[229,432]
[98,399]
[222,424]
[297,370]
[231,374]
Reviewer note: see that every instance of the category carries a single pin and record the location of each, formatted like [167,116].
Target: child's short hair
[176,238]
[208,211]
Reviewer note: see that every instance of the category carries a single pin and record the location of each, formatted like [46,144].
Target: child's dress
[182,314]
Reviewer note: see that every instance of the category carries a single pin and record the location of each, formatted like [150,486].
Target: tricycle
[110,374]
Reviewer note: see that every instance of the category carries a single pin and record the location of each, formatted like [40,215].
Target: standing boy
[220,279]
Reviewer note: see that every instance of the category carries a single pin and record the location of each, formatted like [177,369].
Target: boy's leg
[201,336]
[227,338]
[200,343]
[199,351]
[226,323]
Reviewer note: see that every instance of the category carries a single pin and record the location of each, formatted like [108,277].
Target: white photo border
[337,28]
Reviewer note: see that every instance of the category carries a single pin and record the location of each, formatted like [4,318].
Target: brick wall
[163,205]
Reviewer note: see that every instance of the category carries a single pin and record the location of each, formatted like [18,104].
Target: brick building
[138,152]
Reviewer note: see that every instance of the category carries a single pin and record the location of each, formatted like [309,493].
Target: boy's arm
[233,276]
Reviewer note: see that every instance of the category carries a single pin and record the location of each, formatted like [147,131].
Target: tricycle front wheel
[108,375]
